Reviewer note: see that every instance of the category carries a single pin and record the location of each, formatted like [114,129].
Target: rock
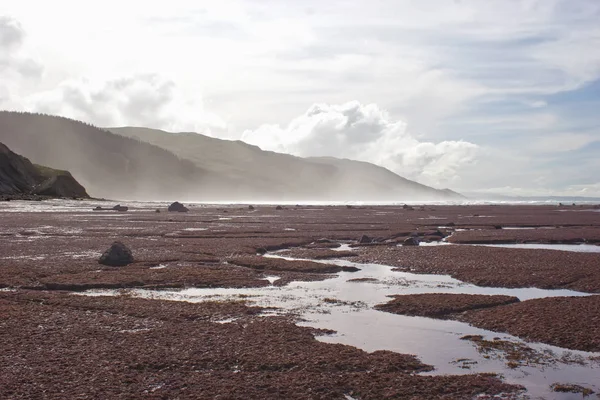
[407,207]
[411,241]
[349,206]
[364,239]
[177,207]
[350,269]
[497,226]
[450,224]
[251,207]
[437,232]
[98,208]
[279,208]
[117,255]
[261,251]
[120,208]
[157,211]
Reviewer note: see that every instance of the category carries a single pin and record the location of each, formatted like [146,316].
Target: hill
[18,176]
[149,164]
[283,176]
[108,165]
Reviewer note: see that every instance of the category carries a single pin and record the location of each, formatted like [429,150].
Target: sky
[494,96]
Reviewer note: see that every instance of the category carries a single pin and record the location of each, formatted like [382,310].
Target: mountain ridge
[132,163]
[344,178]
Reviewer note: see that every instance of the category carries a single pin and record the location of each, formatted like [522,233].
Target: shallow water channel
[346,306]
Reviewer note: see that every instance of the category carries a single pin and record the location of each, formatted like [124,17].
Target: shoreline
[54,246]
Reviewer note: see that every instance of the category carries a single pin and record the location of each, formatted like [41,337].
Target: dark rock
[177,207]
[117,255]
[411,241]
[497,226]
[279,208]
[98,208]
[324,240]
[157,211]
[450,224]
[350,269]
[120,208]
[437,232]
[18,176]
[251,207]
[261,251]
[364,239]
[349,206]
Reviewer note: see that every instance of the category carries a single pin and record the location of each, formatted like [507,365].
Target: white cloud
[483,71]
[367,133]
[16,68]
[139,100]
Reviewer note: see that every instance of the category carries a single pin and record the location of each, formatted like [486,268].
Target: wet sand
[494,266]
[568,322]
[97,346]
[56,345]
[443,305]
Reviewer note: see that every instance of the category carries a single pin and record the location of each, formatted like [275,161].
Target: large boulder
[178,207]
[118,255]
[120,208]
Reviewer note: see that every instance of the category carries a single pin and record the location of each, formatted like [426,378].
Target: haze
[491,97]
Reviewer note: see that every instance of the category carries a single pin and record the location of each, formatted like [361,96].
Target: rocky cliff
[19,176]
